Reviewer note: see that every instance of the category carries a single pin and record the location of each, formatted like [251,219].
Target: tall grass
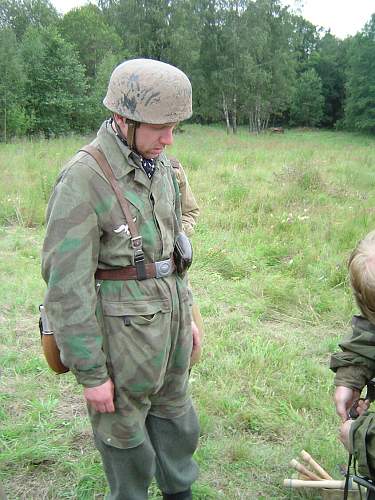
[279,216]
[28,173]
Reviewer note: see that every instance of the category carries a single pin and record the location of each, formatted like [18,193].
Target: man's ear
[120,120]
[121,123]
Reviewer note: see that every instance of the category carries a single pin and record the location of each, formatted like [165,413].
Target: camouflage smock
[355,365]
[362,443]
[138,333]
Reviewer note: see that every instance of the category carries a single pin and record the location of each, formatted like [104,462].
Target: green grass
[279,217]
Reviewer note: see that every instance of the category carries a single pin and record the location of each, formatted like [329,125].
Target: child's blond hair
[362,275]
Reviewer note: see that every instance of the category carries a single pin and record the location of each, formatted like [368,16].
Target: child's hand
[344,399]
[359,407]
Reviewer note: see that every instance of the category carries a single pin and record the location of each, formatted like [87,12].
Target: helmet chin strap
[148,165]
[132,126]
[130,136]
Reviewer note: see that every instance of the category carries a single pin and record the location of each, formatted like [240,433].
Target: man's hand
[197,345]
[344,399]
[344,434]
[101,397]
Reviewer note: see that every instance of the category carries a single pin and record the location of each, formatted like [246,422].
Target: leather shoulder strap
[101,160]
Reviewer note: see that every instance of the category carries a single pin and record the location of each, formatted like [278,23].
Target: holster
[182,253]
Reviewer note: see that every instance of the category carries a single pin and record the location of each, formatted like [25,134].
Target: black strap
[347,477]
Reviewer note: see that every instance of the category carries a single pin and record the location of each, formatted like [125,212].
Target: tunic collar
[121,158]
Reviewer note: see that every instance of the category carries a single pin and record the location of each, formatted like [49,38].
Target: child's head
[362,275]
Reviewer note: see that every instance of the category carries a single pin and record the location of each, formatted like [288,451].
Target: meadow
[279,217]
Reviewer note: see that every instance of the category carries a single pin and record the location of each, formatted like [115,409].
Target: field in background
[279,216]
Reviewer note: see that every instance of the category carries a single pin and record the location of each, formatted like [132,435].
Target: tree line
[251,62]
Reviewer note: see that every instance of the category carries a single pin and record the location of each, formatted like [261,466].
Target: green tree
[207,93]
[143,25]
[86,28]
[360,101]
[20,14]
[228,74]
[304,40]
[14,120]
[245,66]
[268,69]
[55,83]
[184,36]
[329,62]
[308,101]
[96,109]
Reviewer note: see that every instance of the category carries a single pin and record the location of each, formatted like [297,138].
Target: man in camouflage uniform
[128,342]
[189,206]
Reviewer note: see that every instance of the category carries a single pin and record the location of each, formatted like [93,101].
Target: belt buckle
[163,268]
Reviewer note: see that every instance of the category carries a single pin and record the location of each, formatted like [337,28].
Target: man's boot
[182,495]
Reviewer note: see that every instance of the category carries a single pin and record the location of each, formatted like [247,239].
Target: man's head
[362,275]
[149,140]
[147,99]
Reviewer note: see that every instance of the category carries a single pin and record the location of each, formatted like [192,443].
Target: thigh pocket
[138,337]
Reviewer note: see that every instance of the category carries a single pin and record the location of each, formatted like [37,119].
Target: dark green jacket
[362,442]
[355,365]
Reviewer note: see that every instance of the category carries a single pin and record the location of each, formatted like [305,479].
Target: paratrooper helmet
[149,91]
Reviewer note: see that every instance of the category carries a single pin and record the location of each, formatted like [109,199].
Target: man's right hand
[101,397]
[344,398]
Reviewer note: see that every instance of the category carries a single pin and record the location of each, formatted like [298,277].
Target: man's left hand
[197,345]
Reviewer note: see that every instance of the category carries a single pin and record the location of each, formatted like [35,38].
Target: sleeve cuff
[353,377]
[91,378]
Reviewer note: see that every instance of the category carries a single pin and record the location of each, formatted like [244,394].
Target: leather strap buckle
[139,261]
[137,243]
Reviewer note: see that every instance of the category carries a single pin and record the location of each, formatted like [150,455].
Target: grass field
[279,217]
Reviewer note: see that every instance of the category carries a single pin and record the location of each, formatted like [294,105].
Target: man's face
[150,140]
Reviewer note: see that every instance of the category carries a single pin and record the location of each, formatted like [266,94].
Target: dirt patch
[83,441]
[32,485]
[70,405]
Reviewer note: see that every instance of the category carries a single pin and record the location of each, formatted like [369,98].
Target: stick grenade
[306,457]
[324,483]
[303,477]
[301,468]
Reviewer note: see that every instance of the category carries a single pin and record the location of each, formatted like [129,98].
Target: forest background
[253,63]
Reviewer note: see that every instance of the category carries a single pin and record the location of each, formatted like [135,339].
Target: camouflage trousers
[148,343]
[166,453]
